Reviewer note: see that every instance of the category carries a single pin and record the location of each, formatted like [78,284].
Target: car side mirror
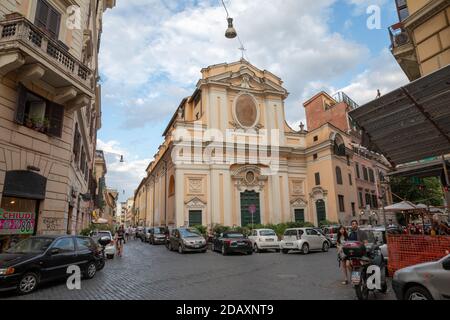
[54,251]
[446,264]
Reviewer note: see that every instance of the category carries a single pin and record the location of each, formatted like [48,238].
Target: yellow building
[49,114]
[230,158]
[421,40]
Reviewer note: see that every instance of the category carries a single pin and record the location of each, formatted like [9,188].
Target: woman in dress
[342,237]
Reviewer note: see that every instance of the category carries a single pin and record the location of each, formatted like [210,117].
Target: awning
[411,123]
[423,169]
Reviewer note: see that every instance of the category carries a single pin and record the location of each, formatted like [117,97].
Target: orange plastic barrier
[409,250]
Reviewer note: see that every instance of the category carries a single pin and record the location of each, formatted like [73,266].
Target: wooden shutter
[56,119]
[42,13]
[54,19]
[21,104]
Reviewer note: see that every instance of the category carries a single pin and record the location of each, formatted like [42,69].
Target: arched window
[339,145]
[171,186]
[339,175]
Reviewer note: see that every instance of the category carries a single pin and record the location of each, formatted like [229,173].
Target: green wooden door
[321,211]
[249,198]
[195,218]
[299,215]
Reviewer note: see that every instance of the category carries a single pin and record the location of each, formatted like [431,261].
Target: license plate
[289,244]
[242,243]
[197,246]
[270,240]
[356,277]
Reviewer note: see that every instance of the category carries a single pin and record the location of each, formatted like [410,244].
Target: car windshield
[265,233]
[189,233]
[31,245]
[234,235]
[160,231]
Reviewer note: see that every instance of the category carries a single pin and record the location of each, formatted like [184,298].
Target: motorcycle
[367,264]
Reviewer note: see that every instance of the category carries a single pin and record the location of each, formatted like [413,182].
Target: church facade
[230,158]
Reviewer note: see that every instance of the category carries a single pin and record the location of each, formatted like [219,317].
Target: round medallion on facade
[250,177]
[246,111]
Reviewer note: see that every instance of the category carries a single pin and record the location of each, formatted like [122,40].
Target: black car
[186,240]
[44,258]
[232,242]
[157,235]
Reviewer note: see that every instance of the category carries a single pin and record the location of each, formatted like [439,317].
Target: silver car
[426,281]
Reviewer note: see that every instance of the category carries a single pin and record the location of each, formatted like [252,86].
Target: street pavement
[153,273]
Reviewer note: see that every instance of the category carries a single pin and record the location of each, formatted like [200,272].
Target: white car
[110,249]
[303,240]
[264,239]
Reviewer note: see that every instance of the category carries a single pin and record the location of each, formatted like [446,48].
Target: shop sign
[16,222]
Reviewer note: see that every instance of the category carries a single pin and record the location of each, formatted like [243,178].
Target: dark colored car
[157,235]
[40,259]
[187,240]
[232,242]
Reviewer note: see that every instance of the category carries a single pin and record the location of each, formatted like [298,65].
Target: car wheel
[91,270]
[285,251]
[325,246]
[305,248]
[180,249]
[28,283]
[250,252]
[417,293]
[277,250]
[204,251]
[224,251]
[256,249]
[110,256]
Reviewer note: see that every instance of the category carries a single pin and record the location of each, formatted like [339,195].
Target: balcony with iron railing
[34,46]
[342,97]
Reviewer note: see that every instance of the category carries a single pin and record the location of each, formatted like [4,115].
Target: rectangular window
[358,175]
[374,201]
[350,179]
[299,215]
[315,156]
[195,218]
[365,173]
[360,199]
[353,210]
[341,204]
[48,18]
[371,176]
[402,9]
[317,177]
[316,138]
[368,199]
[38,113]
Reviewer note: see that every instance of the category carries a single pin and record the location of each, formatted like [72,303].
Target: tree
[427,190]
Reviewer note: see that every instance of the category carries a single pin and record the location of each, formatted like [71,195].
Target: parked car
[303,240]
[140,233]
[426,281]
[331,232]
[320,230]
[264,239]
[41,259]
[157,235]
[187,240]
[110,249]
[232,242]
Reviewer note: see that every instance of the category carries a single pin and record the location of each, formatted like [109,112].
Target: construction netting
[409,250]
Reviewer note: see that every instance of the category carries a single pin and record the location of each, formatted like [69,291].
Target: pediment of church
[195,203]
[299,203]
[246,79]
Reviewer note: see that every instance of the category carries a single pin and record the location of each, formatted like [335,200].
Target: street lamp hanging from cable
[230,33]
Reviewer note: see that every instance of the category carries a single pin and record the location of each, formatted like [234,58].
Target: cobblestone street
[152,273]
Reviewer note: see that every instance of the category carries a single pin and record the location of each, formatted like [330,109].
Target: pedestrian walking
[120,239]
[342,238]
[127,234]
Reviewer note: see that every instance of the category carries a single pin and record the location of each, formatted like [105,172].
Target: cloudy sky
[153,50]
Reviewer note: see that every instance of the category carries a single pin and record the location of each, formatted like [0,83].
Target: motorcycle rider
[356,235]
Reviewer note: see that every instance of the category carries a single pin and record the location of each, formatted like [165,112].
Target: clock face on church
[246,111]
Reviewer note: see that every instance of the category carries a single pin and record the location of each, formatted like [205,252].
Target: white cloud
[383,73]
[170,48]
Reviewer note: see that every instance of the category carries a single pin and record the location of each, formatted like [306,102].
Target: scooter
[101,259]
[367,266]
